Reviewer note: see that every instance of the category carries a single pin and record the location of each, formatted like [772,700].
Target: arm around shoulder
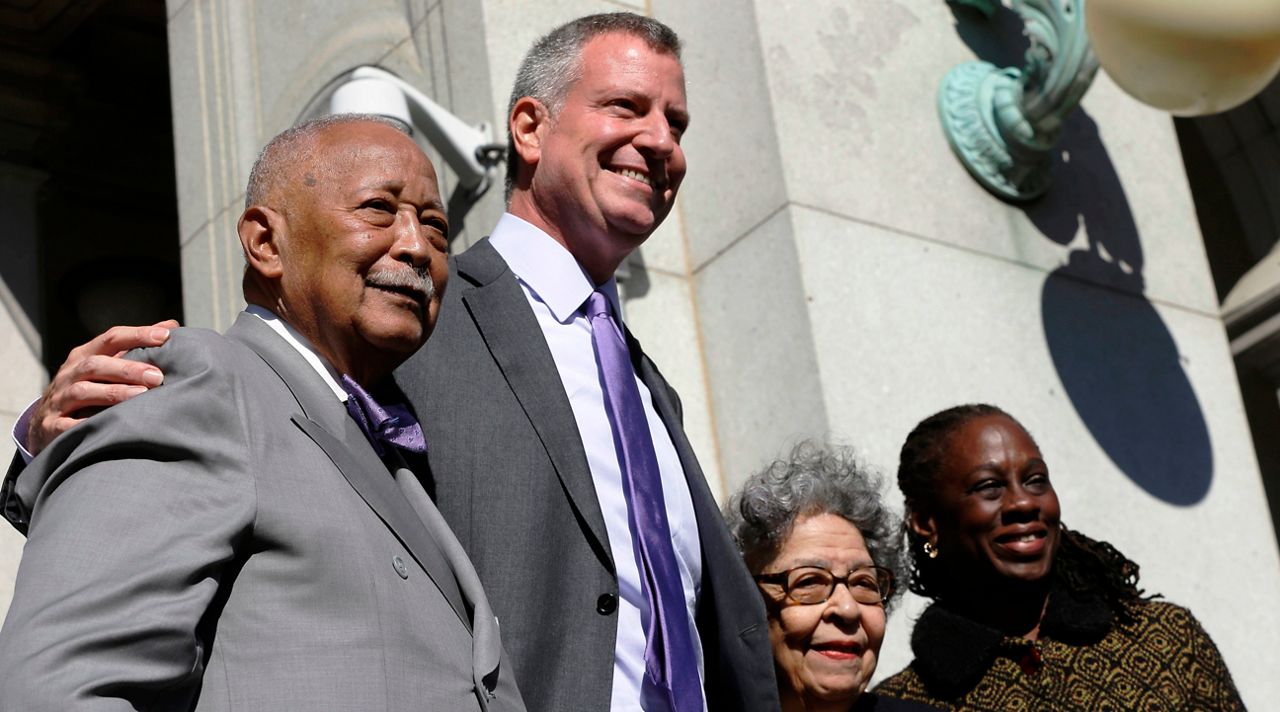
[136,515]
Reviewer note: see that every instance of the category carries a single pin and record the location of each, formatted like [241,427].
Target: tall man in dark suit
[557,454]
[529,462]
[233,540]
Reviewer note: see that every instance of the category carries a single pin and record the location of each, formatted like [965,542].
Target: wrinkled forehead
[355,155]
[366,144]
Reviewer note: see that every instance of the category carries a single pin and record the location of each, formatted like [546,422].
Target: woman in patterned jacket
[1028,614]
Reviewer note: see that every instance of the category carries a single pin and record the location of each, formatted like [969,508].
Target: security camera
[469,151]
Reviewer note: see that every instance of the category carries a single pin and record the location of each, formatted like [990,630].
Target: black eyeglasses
[813,584]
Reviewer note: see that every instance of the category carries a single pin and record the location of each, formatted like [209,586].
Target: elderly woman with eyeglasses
[824,550]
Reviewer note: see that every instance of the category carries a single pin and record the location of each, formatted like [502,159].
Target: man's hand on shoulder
[93,377]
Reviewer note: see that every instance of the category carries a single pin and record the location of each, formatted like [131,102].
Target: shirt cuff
[20,429]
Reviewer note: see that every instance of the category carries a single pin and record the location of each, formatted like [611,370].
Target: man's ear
[260,230]
[528,123]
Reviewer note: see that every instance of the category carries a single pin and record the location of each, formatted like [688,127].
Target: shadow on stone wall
[1112,351]
[1115,356]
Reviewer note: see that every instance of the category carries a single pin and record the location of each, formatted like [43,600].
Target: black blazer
[510,475]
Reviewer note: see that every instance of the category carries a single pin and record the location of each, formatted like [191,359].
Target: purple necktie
[392,424]
[671,667]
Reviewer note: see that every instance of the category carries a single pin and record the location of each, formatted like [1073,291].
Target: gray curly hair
[813,479]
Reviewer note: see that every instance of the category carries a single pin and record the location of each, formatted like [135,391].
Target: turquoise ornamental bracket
[1004,122]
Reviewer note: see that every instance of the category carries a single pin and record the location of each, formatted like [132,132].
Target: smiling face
[825,652]
[994,511]
[362,249]
[602,172]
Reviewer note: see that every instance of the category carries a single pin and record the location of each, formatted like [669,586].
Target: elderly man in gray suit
[240,538]
[557,453]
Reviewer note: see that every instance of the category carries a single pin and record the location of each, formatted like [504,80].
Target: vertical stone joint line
[202,80]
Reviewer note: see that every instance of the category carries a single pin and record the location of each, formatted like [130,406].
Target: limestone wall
[830,269]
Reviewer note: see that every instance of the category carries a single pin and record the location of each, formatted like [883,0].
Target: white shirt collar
[547,268]
[303,347]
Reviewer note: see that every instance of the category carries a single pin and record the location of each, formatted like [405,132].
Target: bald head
[295,147]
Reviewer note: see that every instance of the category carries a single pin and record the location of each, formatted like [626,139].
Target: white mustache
[418,280]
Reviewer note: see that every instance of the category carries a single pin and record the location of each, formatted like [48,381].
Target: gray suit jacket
[511,477]
[232,541]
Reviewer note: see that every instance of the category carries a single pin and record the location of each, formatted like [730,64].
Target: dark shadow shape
[636,285]
[1121,369]
[1114,355]
[1086,190]
[460,204]
[1000,40]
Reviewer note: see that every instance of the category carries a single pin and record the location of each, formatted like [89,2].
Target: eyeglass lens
[815,585]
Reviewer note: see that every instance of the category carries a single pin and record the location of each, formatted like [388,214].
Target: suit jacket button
[398,564]
[607,603]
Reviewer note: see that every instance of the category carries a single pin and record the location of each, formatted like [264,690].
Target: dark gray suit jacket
[511,477]
[232,541]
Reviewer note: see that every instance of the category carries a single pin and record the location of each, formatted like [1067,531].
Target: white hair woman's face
[825,652]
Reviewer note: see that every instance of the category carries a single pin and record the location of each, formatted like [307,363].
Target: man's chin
[401,339]
[633,230]
[635,218]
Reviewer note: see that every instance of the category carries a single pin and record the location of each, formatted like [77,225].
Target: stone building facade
[830,269]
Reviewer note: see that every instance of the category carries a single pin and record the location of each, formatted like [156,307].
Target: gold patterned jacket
[1155,657]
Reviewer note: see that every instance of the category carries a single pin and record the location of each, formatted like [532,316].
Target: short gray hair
[813,479]
[552,65]
[296,144]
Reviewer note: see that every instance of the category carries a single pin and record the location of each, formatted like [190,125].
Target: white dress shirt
[20,429]
[557,288]
[331,378]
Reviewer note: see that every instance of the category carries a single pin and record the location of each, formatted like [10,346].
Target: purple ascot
[392,424]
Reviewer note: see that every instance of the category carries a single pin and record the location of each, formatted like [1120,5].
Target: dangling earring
[930,550]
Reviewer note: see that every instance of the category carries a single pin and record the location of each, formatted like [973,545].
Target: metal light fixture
[1185,56]
[1003,122]
[1188,57]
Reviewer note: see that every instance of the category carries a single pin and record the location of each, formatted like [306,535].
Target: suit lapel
[501,313]
[669,412]
[730,609]
[326,422]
